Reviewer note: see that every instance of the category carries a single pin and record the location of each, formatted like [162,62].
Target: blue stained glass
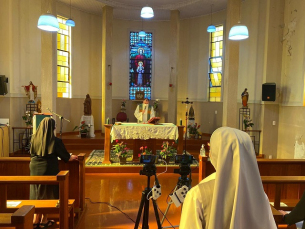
[140,64]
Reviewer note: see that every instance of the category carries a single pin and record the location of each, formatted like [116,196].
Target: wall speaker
[268,91]
[3,87]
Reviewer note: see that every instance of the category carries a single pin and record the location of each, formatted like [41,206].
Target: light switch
[273,123]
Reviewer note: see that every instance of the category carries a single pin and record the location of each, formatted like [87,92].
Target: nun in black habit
[45,150]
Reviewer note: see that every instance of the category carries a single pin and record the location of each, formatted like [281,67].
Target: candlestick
[180,122]
[107,120]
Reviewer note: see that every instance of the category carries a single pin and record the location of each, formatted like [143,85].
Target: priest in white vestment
[233,196]
[144,112]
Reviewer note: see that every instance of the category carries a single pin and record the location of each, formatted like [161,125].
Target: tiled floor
[124,191]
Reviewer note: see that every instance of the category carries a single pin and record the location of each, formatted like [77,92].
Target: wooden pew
[41,206]
[267,167]
[20,219]
[279,182]
[19,166]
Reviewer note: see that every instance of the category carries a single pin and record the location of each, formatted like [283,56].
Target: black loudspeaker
[3,87]
[268,91]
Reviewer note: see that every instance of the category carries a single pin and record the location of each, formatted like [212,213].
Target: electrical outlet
[274,123]
[215,112]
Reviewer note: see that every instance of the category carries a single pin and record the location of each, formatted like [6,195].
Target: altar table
[143,132]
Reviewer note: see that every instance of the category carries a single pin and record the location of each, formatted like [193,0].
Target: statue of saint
[87,105]
[31,92]
[245,97]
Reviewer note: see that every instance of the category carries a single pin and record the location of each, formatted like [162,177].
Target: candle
[180,122]
[107,120]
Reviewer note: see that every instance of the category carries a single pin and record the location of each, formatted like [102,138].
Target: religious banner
[140,65]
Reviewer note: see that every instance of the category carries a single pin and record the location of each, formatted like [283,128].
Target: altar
[140,132]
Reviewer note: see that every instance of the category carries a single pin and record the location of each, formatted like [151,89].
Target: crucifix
[187,102]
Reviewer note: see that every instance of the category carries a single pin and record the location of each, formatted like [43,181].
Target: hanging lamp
[147,12]
[70,21]
[48,22]
[142,32]
[211,28]
[239,31]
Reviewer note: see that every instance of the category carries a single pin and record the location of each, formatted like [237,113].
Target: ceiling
[130,9]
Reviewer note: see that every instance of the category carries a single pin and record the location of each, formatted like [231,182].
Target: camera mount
[149,169]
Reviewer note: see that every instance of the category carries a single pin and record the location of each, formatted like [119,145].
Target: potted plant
[168,151]
[145,151]
[28,118]
[83,129]
[193,130]
[120,150]
[248,122]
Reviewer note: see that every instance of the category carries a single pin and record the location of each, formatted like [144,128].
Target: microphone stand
[186,115]
[61,118]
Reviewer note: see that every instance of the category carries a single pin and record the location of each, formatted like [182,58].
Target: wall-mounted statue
[87,105]
[245,97]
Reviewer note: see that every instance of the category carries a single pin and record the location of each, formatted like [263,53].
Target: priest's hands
[73,158]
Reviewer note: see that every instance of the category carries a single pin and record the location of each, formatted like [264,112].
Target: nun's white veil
[239,201]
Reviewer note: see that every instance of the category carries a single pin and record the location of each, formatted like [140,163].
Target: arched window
[140,65]
[215,64]
[63,59]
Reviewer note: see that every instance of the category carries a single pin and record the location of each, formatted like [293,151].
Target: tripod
[148,170]
[184,170]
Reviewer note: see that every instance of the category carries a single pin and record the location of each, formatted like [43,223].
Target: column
[173,63]
[107,65]
[48,61]
[230,79]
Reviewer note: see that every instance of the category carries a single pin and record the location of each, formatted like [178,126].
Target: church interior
[94,72]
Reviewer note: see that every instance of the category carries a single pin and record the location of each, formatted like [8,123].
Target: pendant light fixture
[70,21]
[48,22]
[211,28]
[147,12]
[142,32]
[238,31]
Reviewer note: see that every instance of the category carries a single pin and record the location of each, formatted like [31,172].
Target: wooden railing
[19,166]
[62,178]
[20,219]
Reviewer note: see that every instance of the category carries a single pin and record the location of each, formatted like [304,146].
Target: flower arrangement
[28,118]
[193,128]
[145,151]
[168,150]
[83,127]
[120,149]
[123,103]
[248,122]
[156,104]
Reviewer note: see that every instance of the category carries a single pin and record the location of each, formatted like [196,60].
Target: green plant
[247,121]
[168,150]
[193,128]
[123,103]
[156,104]
[120,149]
[28,118]
[83,127]
[145,151]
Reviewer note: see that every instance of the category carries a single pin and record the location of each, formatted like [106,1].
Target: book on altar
[153,120]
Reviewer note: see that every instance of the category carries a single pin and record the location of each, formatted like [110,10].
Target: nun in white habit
[233,196]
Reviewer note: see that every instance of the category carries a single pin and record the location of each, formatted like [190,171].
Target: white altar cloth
[144,131]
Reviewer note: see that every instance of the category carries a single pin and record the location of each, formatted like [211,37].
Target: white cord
[165,169]
[148,195]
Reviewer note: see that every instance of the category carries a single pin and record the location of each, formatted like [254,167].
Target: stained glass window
[63,59]
[140,64]
[215,64]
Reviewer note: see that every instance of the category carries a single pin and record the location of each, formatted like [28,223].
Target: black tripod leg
[140,210]
[156,214]
[146,213]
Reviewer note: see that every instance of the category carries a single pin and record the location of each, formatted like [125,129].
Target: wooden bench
[20,219]
[42,206]
[267,167]
[19,166]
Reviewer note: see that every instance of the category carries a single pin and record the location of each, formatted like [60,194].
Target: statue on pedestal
[87,105]
[31,92]
[245,97]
